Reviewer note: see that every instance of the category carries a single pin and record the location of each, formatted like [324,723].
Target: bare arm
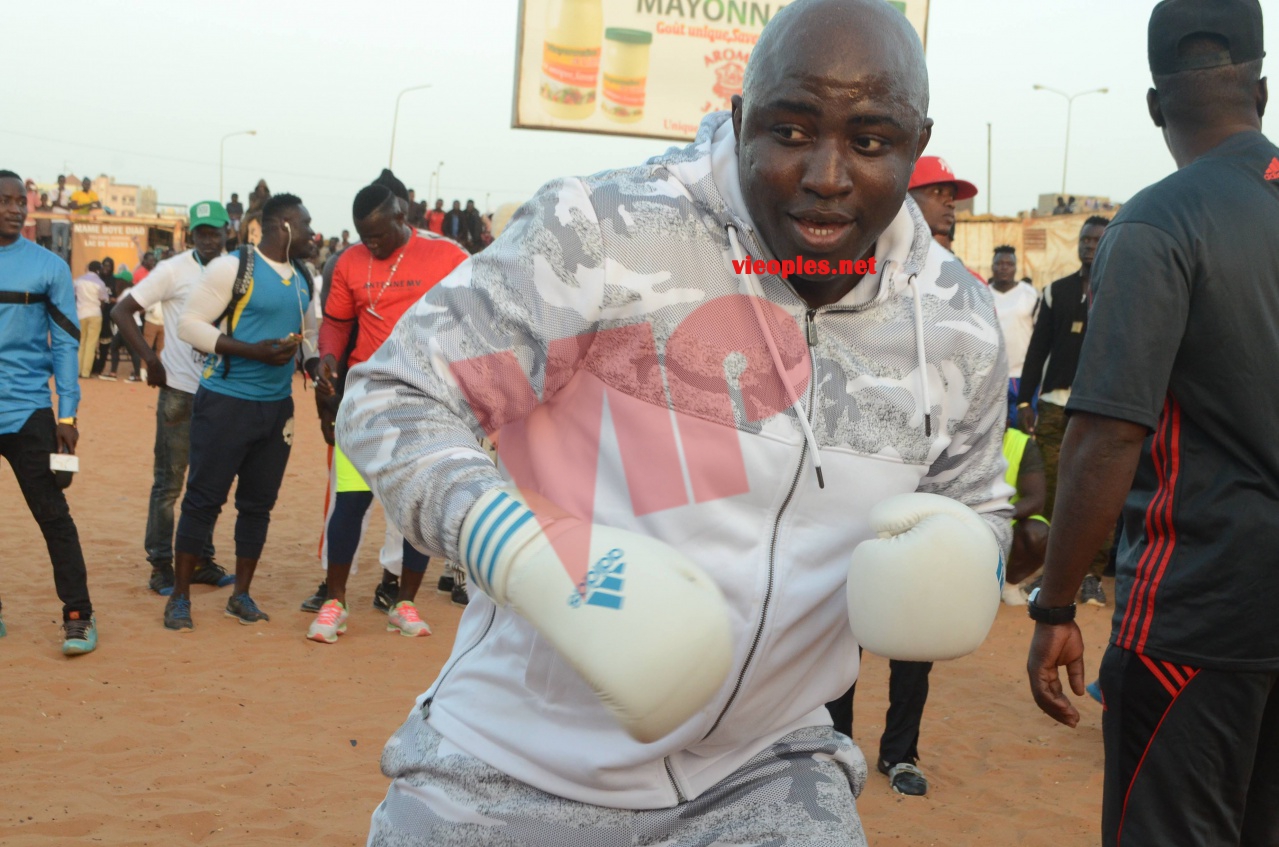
[1032,489]
[1098,459]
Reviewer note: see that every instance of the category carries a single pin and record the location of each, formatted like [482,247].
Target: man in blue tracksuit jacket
[39,339]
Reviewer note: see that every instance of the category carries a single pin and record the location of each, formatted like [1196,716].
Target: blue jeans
[172,450]
[61,233]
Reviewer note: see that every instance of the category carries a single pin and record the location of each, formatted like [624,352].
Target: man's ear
[1263,96]
[1156,111]
[737,123]
[925,135]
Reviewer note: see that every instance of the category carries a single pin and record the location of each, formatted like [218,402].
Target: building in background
[1092,204]
[146,201]
[117,198]
[170,210]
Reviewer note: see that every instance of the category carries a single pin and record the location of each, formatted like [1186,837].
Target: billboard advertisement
[648,68]
[124,243]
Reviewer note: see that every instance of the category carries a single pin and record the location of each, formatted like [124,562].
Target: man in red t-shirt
[435,218]
[374,283]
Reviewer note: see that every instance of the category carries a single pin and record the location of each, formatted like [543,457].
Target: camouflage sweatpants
[1050,429]
[799,792]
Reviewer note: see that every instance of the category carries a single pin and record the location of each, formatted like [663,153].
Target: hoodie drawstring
[791,395]
[923,359]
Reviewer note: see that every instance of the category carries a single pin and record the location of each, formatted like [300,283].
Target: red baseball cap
[930,170]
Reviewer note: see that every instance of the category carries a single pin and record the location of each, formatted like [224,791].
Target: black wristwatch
[1048,614]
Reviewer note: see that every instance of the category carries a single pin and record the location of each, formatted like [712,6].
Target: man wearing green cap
[176,372]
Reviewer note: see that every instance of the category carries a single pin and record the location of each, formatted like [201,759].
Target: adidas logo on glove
[603,584]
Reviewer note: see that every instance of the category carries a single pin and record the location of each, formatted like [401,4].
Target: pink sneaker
[330,622]
[404,618]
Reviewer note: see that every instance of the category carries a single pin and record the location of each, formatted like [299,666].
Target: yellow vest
[1015,442]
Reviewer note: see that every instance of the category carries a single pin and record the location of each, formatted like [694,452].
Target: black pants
[1192,755]
[346,525]
[907,694]
[117,341]
[231,437]
[27,452]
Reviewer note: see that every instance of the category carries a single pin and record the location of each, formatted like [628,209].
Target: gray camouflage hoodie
[633,377]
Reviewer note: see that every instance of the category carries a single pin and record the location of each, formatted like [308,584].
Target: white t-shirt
[90,293]
[168,285]
[63,195]
[1016,310]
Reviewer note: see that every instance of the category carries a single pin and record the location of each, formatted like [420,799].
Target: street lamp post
[222,156]
[1070,103]
[438,169]
[396,120]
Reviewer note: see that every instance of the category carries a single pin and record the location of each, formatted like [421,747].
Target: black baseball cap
[1236,22]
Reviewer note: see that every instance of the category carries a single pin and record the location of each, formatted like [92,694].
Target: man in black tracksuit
[1049,372]
[1172,422]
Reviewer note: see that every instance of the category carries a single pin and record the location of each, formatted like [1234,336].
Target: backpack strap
[243,279]
[22,298]
[31,298]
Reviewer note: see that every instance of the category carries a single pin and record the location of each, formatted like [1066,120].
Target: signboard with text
[648,68]
[124,243]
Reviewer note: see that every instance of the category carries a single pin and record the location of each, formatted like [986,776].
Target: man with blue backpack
[252,313]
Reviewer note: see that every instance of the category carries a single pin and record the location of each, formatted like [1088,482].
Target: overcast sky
[144,89]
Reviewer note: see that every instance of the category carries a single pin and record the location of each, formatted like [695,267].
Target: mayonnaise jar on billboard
[625,73]
[645,68]
[571,58]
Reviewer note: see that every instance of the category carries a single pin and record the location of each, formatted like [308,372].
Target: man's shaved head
[832,116]
[808,29]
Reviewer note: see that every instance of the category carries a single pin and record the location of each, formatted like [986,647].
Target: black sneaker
[459,595]
[1091,593]
[313,603]
[209,572]
[242,608]
[385,595]
[905,778]
[445,585]
[161,579]
[177,613]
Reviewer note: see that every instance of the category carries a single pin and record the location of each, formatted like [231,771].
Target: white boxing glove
[646,628]
[928,588]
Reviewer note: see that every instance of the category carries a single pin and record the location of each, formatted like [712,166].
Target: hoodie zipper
[670,774]
[772,547]
[487,626]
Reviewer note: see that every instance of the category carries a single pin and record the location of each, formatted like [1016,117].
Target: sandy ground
[256,736]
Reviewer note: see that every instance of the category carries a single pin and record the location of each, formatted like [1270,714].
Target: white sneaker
[330,622]
[1013,595]
[404,618]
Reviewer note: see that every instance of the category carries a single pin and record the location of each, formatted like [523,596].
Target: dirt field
[256,736]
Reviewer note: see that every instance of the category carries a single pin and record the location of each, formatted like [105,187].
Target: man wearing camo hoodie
[646,368]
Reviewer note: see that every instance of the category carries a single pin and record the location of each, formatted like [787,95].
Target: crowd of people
[197,445]
[105,281]
[635,663]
